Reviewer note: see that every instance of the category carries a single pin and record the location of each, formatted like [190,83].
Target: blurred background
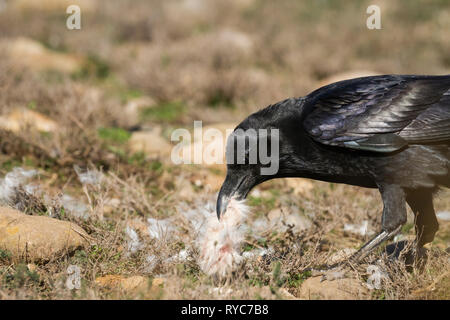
[215,60]
[162,64]
[107,97]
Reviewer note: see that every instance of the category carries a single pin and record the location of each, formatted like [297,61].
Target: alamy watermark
[73,22]
[374,20]
[74,279]
[208,146]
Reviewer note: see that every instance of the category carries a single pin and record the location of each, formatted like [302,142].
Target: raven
[390,132]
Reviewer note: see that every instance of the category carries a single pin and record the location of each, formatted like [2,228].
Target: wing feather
[380,113]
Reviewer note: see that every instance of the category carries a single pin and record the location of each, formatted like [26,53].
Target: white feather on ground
[89,177]
[74,207]
[12,181]
[219,242]
[151,261]
[361,229]
[443,215]
[160,228]
[134,244]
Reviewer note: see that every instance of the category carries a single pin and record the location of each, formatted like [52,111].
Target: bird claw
[408,253]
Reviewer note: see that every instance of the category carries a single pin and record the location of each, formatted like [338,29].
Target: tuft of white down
[219,242]
[13,180]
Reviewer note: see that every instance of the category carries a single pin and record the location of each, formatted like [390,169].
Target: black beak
[233,187]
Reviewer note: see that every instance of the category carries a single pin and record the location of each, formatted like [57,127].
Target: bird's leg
[421,203]
[394,216]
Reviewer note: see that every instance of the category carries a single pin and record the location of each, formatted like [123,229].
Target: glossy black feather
[380,113]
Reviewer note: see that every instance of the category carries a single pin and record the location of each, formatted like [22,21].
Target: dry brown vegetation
[159,65]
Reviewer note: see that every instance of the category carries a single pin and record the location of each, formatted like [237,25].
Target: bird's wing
[433,125]
[369,113]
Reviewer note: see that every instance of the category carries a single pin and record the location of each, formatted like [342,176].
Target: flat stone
[149,142]
[339,289]
[38,238]
[24,52]
[22,118]
[133,284]
[299,186]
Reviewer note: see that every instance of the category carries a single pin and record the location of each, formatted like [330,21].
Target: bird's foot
[408,253]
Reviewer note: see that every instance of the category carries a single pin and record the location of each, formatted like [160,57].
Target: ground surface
[92,110]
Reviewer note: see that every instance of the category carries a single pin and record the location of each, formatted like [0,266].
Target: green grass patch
[5,255]
[295,280]
[21,277]
[248,247]
[169,111]
[129,94]
[221,98]
[95,67]
[117,135]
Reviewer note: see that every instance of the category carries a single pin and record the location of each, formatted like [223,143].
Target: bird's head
[256,150]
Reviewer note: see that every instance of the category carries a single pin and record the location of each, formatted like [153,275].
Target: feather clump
[13,181]
[219,242]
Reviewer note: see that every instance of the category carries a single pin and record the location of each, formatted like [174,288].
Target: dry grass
[213,61]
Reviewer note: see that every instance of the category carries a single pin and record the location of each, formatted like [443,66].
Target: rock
[299,186]
[235,40]
[275,215]
[22,118]
[24,52]
[132,284]
[127,284]
[158,282]
[38,238]
[340,289]
[286,295]
[346,75]
[150,142]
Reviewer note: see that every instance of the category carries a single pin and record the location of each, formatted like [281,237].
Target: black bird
[390,132]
